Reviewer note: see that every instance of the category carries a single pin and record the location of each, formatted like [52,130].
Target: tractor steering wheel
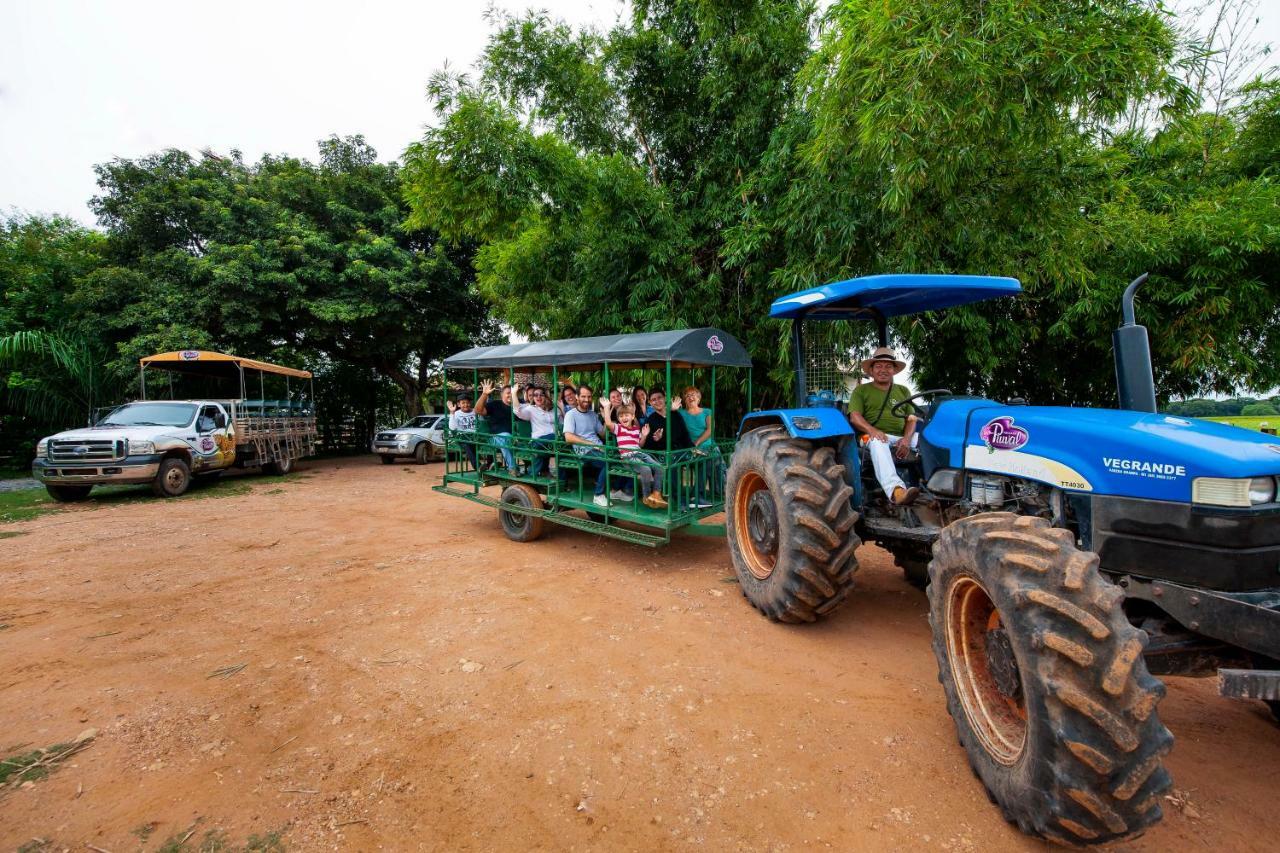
[899,409]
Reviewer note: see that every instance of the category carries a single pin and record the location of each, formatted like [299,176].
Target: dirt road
[413,680]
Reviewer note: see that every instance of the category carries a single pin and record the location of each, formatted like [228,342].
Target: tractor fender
[813,424]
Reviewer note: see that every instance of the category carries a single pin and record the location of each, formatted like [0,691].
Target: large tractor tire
[790,525]
[1045,680]
[67,494]
[518,526]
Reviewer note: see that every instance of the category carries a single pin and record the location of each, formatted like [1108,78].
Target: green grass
[216,841]
[27,504]
[1254,422]
[35,765]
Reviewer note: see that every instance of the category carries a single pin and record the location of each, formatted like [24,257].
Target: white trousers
[882,461]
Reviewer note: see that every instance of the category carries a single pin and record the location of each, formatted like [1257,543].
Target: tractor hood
[1105,451]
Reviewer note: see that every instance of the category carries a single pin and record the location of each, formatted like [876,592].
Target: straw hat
[883,354]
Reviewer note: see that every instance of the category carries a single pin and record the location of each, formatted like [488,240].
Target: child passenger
[630,437]
[463,420]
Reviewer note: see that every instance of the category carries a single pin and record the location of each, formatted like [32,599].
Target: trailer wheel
[173,478]
[790,525]
[518,526]
[279,467]
[1045,680]
[67,494]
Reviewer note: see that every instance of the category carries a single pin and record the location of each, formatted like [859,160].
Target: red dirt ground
[413,680]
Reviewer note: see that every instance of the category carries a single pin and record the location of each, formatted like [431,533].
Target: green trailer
[562,493]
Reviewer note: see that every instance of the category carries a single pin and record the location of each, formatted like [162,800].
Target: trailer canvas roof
[216,364]
[703,347]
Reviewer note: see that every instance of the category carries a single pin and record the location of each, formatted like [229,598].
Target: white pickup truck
[422,438]
[168,442]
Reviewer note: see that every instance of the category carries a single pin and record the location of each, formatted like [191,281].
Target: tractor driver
[885,434]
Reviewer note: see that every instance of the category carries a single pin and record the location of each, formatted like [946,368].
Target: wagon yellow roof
[190,361]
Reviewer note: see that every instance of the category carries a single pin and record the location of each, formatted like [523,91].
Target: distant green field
[1253,422]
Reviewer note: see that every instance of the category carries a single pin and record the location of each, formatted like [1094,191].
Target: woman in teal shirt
[698,423]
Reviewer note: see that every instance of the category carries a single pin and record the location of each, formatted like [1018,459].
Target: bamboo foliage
[54,377]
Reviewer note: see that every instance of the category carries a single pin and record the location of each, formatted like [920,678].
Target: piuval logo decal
[715,344]
[189,354]
[1001,434]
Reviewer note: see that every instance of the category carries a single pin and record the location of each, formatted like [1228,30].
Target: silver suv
[422,438]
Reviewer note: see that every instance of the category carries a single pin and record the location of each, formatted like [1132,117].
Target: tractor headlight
[141,448]
[1223,491]
[42,447]
[1262,490]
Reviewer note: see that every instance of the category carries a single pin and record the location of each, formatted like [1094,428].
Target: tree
[600,171]
[1258,409]
[953,137]
[55,379]
[281,259]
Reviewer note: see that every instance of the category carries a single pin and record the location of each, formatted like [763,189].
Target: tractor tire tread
[816,559]
[1095,758]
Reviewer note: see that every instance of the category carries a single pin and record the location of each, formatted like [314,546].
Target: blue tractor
[1070,554]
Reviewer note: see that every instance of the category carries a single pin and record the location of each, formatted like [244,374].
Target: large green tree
[601,170]
[283,259]
[986,138]
[696,162]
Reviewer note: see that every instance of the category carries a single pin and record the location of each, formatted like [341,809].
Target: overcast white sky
[82,82]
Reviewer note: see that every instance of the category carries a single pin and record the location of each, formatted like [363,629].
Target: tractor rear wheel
[790,525]
[521,527]
[1045,680]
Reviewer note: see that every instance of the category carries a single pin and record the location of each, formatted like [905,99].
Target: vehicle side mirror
[219,420]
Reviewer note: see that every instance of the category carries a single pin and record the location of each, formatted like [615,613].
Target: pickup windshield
[151,414]
[421,422]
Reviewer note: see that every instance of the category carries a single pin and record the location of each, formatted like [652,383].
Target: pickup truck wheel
[68,494]
[422,452]
[173,479]
[790,525]
[1045,680]
[518,526]
[388,460]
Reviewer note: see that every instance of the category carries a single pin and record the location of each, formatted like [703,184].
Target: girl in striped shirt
[630,437]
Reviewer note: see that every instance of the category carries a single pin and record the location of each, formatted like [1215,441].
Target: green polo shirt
[868,401]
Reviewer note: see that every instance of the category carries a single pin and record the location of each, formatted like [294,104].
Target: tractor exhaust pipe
[1135,384]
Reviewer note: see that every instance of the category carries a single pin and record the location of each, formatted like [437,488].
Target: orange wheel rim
[755,519]
[973,635]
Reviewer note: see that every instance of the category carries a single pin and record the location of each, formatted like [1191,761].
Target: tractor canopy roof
[891,295]
[682,347]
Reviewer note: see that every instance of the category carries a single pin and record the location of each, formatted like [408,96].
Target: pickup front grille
[92,450]
[386,436]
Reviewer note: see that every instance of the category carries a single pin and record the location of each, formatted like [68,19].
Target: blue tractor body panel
[818,422]
[1101,451]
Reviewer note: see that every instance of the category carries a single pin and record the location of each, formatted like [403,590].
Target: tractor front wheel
[790,525]
[1045,680]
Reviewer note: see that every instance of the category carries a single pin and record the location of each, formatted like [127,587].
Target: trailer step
[635,537]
